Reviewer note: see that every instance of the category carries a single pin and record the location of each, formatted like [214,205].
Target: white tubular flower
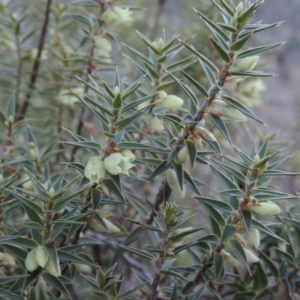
[266,208]
[174,184]
[182,156]
[251,257]
[102,43]
[30,261]
[94,169]
[41,256]
[245,64]
[116,15]
[171,102]
[116,164]
[129,154]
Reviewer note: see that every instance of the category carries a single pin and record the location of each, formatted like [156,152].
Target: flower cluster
[115,163]
[40,258]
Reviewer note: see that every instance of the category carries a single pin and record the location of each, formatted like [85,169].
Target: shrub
[122,176]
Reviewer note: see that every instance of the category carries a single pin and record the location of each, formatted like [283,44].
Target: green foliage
[106,154]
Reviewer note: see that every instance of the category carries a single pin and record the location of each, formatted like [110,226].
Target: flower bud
[245,64]
[51,192]
[239,8]
[110,227]
[155,124]
[170,213]
[229,258]
[251,257]
[129,154]
[281,246]
[94,169]
[182,156]
[30,261]
[171,102]
[102,43]
[206,134]
[41,256]
[116,164]
[116,15]
[174,184]
[27,183]
[159,45]
[265,208]
[51,269]
[221,108]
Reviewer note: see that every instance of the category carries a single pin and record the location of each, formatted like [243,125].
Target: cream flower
[129,154]
[182,156]
[67,98]
[171,102]
[116,164]
[266,208]
[94,169]
[30,261]
[102,43]
[117,15]
[245,64]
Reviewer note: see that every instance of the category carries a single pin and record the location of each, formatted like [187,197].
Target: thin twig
[36,64]
[19,72]
[158,201]
[159,263]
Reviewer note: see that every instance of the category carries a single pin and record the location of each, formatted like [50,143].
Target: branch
[36,64]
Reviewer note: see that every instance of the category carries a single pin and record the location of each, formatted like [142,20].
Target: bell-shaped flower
[266,208]
[42,256]
[182,156]
[102,43]
[116,164]
[171,102]
[50,268]
[116,15]
[94,169]
[30,261]
[129,154]
[251,257]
